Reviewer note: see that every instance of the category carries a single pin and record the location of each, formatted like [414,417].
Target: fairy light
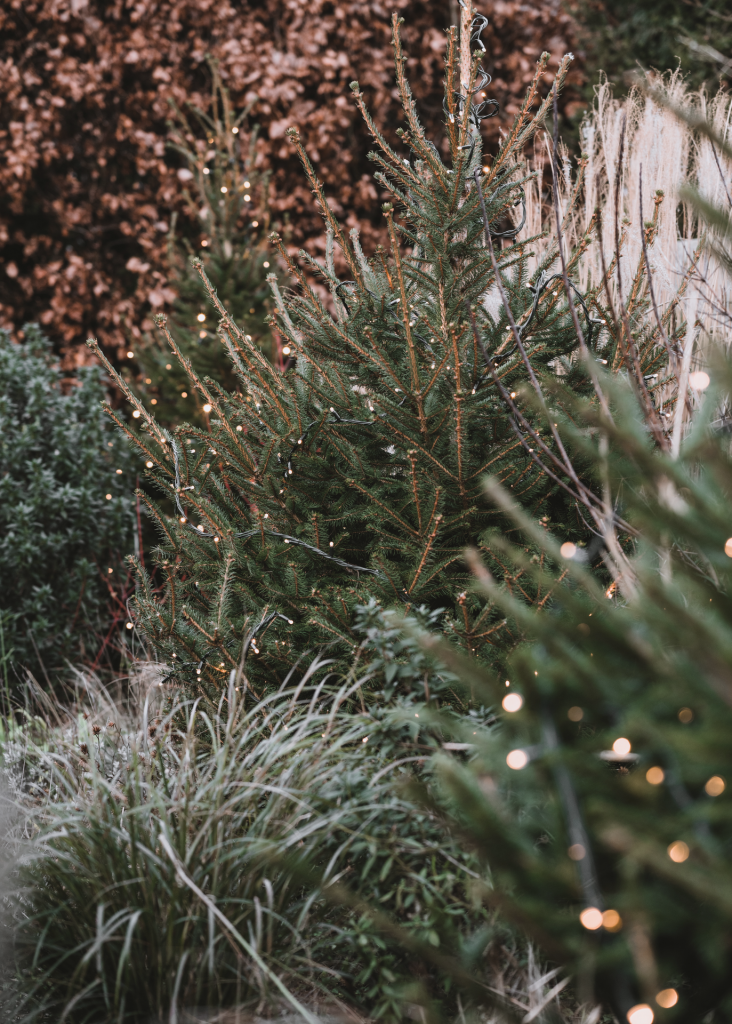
[108,497]
[118,472]
[286,350]
[136,414]
[130,355]
[224,188]
[575,714]
[715,786]
[110,570]
[576,852]
[621,746]
[591,919]
[640,1014]
[247,199]
[699,380]
[667,998]
[234,131]
[517,759]
[612,921]
[201,317]
[247,184]
[512,702]
[655,775]
[678,851]
[128,625]
[149,464]
[206,170]
[568,549]
[207,407]
[266,264]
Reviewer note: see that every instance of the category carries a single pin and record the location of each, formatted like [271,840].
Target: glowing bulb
[247,184]
[247,199]
[286,350]
[517,759]
[612,921]
[568,549]
[224,188]
[207,407]
[640,1014]
[330,543]
[686,715]
[136,414]
[699,381]
[240,428]
[678,851]
[110,570]
[576,851]
[130,355]
[118,472]
[265,264]
[149,464]
[667,998]
[575,714]
[655,776]
[591,919]
[512,702]
[234,131]
[201,317]
[168,366]
[108,497]
[621,746]
[129,625]
[715,786]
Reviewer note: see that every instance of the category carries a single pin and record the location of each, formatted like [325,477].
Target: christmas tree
[226,227]
[357,473]
[67,515]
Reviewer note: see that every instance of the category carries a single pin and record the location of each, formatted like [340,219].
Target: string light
[678,851]
[612,921]
[129,625]
[699,381]
[247,184]
[568,549]
[110,570]
[576,851]
[715,786]
[149,464]
[118,472]
[591,919]
[136,414]
[207,407]
[224,188]
[667,998]
[130,355]
[286,350]
[108,497]
[234,131]
[575,714]
[512,702]
[621,746]
[686,715]
[640,1014]
[655,775]
[201,317]
[266,264]
[517,759]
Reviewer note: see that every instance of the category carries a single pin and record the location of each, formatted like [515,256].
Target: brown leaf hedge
[88,185]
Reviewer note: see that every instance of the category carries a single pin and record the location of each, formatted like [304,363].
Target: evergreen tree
[357,473]
[66,511]
[226,228]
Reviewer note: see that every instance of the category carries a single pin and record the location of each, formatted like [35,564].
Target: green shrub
[260,808]
[59,533]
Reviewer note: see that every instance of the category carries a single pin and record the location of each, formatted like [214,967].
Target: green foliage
[650,664]
[657,34]
[59,534]
[357,473]
[227,222]
[266,811]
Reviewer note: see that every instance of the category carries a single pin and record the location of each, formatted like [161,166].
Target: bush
[59,533]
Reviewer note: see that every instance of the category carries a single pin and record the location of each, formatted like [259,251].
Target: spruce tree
[357,473]
[226,228]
